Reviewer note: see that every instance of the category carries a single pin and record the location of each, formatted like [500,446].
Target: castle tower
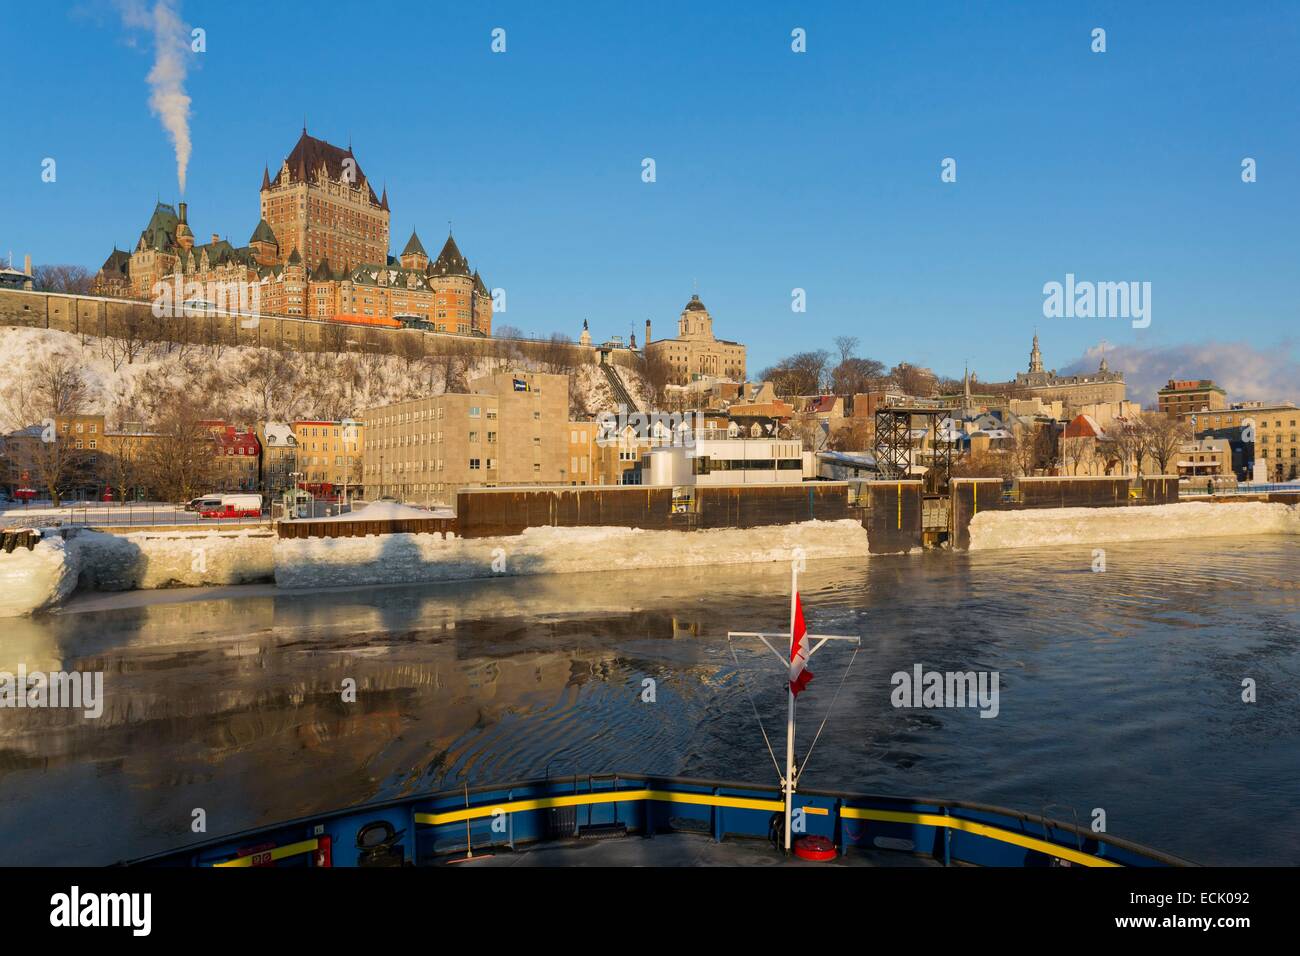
[585,337]
[322,204]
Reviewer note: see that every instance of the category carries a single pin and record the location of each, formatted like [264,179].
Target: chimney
[27,271]
[182,215]
[647,334]
[215,237]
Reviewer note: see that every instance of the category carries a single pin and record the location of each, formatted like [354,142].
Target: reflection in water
[1119,690]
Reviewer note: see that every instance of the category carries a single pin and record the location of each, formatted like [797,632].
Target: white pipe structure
[790,781]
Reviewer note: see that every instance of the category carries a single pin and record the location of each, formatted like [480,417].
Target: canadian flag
[800,675]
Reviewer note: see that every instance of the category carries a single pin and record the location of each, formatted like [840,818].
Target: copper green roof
[263,233]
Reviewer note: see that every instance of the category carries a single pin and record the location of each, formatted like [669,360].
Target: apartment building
[1180,397]
[279,457]
[510,428]
[1262,432]
[236,456]
[329,456]
[1275,441]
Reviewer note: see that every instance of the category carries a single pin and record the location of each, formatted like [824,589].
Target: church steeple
[1035,357]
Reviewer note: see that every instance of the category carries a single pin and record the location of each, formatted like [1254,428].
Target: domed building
[695,353]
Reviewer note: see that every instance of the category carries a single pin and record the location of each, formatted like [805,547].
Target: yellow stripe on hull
[978,829]
[277,853]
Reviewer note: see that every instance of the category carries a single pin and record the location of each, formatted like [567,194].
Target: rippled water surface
[1119,690]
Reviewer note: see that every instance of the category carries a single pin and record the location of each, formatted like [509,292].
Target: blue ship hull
[497,821]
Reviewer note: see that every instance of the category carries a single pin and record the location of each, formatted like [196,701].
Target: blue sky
[775,170]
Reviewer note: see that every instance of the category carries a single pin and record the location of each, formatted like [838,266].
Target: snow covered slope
[247,384]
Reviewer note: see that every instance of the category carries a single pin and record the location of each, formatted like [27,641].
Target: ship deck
[673,849]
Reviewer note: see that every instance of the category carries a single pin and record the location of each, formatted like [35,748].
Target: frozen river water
[1119,690]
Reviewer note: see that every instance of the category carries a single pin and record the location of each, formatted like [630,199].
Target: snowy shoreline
[91,562]
[413,558]
[98,562]
[1050,527]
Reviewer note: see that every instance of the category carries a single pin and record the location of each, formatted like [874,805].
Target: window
[473,436]
[473,464]
[474,411]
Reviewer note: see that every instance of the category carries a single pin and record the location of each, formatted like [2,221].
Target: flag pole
[789,723]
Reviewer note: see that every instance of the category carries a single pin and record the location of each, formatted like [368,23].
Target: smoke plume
[167,97]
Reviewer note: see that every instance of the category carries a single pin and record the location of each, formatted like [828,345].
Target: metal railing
[1193,488]
[130,514]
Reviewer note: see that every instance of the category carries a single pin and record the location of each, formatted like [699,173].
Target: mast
[789,721]
[815,643]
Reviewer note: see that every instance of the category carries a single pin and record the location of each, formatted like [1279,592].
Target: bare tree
[854,376]
[847,345]
[1162,437]
[556,355]
[272,377]
[1035,447]
[1075,451]
[122,464]
[71,279]
[800,374]
[913,380]
[1129,442]
[48,395]
[658,373]
[179,463]
[128,337]
[857,434]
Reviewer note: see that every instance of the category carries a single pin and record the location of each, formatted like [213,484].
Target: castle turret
[413,256]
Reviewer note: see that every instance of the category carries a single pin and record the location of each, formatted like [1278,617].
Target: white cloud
[1246,372]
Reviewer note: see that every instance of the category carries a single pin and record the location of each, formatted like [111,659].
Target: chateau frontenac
[319,250]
